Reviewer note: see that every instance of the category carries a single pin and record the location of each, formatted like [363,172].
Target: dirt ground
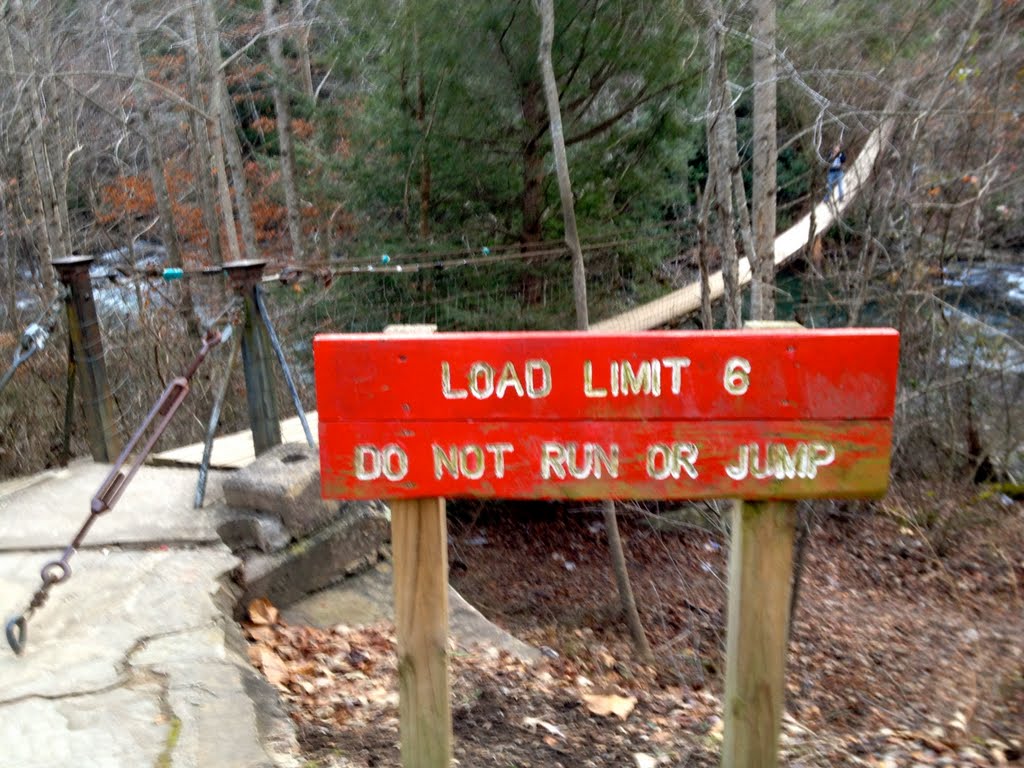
[908,646]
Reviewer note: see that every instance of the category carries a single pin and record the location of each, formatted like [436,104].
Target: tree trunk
[718,135]
[151,139]
[47,247]
[805,526]
[35,168]
[421,120]
[203,15]
[203,154]
[10,262]
[626,598]
[739,196]
[46,138]
[739,191]
[726,114]
[618,555]
[224,110]
[572,238]
[56,145]
[762,292]
[707,320]
[302,28]
[233,152]
[533,165]
[284,132]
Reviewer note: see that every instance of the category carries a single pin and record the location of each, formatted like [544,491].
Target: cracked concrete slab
[81,639]
[48,509]
[212,692]
[117,728]
[135,660]
[218,726]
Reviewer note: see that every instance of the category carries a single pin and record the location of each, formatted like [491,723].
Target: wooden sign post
[760,570]
[419,554]
[767,415]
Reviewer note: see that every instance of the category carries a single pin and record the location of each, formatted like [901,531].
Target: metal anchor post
[264,421]
[87,343]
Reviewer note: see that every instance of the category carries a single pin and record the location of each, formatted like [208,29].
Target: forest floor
[908,647]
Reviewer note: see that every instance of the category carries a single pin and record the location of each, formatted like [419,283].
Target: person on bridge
[835,172]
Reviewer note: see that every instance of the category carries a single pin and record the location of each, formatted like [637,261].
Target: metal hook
[17,634]
[47,574]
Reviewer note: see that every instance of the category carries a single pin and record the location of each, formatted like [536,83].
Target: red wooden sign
[669,415]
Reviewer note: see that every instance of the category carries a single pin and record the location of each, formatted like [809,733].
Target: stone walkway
[134,661]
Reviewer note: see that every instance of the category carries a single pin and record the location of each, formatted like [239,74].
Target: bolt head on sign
[772,414]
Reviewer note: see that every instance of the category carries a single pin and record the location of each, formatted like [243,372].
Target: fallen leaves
[260,634]
[326,673]
[341,684]
[605,705]
[262,612]
[871,683]
[274,669]
[344,681]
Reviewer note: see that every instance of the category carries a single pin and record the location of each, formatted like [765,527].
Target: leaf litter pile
[341,685]
[901,655]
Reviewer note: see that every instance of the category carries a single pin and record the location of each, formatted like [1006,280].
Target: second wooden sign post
[766,415]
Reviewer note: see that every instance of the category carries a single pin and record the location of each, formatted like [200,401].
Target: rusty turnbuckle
[117,480]
[35,336]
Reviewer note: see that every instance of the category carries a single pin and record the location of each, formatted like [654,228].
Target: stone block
[244,529]
[284,481]
[347,545]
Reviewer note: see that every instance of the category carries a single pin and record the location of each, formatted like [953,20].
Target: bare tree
[721,147]
[725,167]
[29,128]
[284,130]
[56,137]
[572,239]
[209,61]
[724,120]
[302,32]
[202,152]
[233,153]
[151,139]
[707,321]
[221,106]
[762,294]
[9,260]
